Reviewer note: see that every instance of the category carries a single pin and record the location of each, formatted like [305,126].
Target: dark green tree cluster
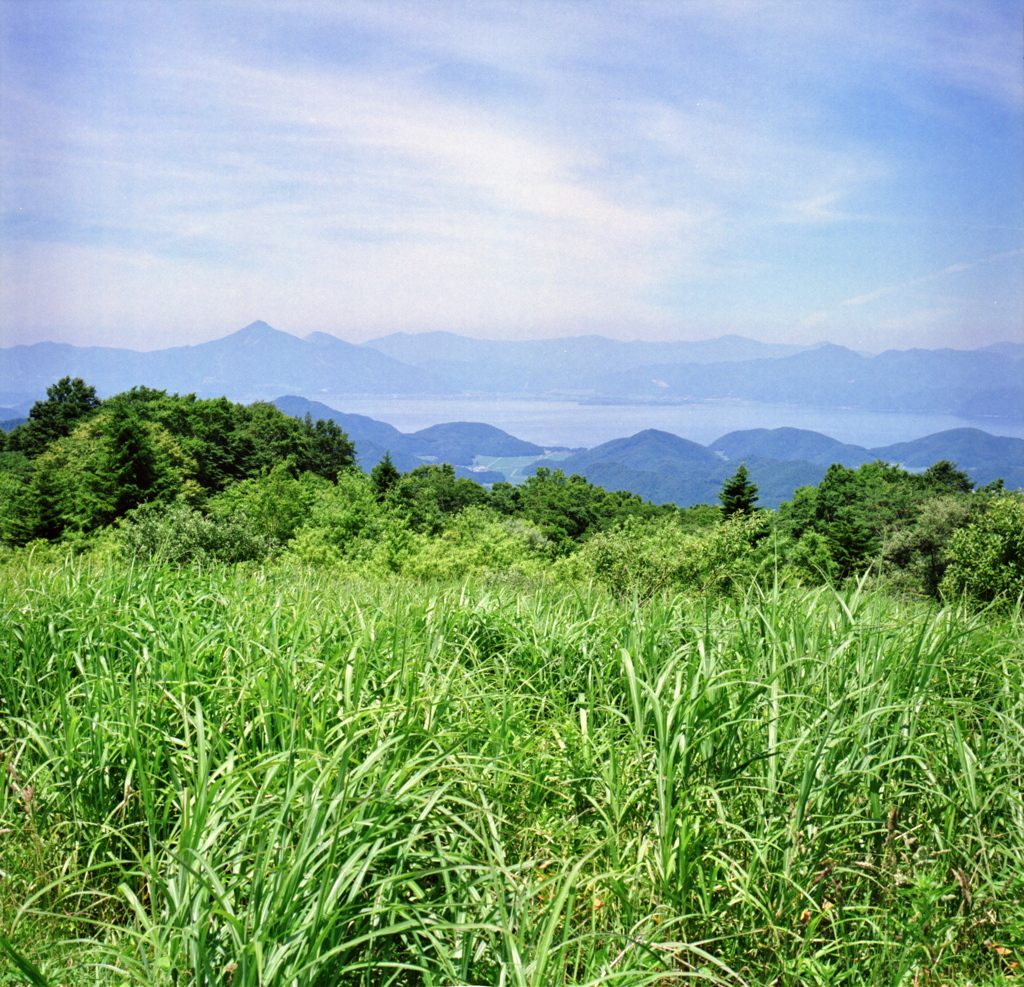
[568,509]
[67,403]
[79,463]
[882,517]
[429,496]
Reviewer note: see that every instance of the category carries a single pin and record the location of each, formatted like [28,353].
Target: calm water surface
[550,423]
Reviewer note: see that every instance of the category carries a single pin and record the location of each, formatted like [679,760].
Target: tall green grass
[281,778]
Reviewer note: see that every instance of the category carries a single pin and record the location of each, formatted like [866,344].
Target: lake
[551,423]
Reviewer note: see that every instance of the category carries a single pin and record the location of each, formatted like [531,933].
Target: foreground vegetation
[268,720]
[286,777]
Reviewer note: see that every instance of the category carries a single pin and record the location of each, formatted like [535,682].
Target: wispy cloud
[506,168]
[934,276]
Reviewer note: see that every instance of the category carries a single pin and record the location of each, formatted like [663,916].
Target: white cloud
[492,166]
[384,202]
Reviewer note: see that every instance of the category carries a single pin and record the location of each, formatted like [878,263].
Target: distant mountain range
[255,362]
[665,468]
[961,383]
[259,362]
[569,366]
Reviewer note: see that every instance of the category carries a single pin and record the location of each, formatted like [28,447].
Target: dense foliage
[282,777]
[150,476]
[79,464]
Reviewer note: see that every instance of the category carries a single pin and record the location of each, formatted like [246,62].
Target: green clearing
[512,466]
[282,776]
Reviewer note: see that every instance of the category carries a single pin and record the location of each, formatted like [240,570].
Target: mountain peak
[650,444]
[257,329]
[256,334]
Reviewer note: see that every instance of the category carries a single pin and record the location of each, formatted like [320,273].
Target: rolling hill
[971,448]
[983,456]
[790,443]
[692,483]
[664,468]
[647,450]
[458,443]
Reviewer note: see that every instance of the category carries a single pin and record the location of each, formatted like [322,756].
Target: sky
[789,170]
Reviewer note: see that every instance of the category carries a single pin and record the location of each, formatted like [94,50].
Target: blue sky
[851,171]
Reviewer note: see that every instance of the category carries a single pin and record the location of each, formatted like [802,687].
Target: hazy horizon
[793,172]
[138,345]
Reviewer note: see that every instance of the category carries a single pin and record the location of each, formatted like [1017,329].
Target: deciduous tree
[67,403]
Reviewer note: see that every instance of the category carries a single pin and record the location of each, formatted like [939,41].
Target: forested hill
[665,468]
[459,443]
[971,447]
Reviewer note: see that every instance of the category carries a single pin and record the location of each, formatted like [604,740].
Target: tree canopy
[179,477]
[85,462]
[67,403]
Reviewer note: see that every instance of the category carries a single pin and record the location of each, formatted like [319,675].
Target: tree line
[180,479]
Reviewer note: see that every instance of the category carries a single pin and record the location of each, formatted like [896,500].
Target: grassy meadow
[282,777]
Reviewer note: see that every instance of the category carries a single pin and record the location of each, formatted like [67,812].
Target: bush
[178,535]
[986,559]
[344,525]
[916,556]
[482,545]
[810,560]
[276,504]
[642,558]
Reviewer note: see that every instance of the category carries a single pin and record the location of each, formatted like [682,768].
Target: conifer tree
[944,476]
[133,467]
[738,495]
[384,476]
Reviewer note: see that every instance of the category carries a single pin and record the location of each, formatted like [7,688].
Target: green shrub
[276,504]
[642,558]
[986,559]
[479,544]
[810,560]
[178,534]
[916,555]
